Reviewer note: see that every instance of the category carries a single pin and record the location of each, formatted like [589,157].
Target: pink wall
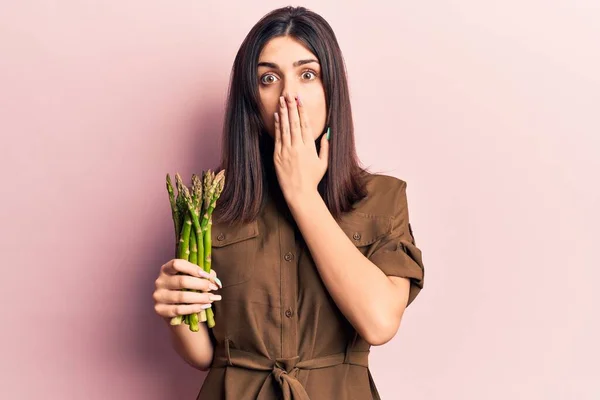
[494,106]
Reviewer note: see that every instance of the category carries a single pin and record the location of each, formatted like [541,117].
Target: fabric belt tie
[284,370]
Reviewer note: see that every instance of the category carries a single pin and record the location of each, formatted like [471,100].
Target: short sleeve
[396,254]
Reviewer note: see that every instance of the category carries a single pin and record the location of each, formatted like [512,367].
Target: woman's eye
[267,76]
[310,73]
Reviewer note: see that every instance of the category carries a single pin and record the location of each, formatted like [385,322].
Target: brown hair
[247,149]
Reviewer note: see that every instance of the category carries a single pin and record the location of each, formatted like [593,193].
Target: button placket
[288,289]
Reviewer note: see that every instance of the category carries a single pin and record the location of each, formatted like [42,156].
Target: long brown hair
[247,149]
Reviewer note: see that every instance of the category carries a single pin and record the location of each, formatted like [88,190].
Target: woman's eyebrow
[296,64]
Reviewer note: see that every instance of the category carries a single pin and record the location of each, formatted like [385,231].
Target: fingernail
[214,297]
[276,117]
[328,133]
[218,281]
[205,306]
[281,101]
[298,99]
[212,286]
[203,273]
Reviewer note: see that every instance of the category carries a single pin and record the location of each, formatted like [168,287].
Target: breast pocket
[365,229]
[233,252]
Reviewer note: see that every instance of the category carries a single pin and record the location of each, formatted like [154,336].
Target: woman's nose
[290,88]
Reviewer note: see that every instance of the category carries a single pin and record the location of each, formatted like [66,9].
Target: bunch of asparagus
[192,233]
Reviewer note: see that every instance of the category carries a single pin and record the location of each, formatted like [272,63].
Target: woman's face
[277,75]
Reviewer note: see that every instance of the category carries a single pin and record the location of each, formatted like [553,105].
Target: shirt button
[288,256]
[220,237]
[356,236]
[289,313]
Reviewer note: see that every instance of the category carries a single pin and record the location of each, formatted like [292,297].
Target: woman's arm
[195,348]
[371,301]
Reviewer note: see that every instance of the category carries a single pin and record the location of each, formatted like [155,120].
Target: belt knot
[285,366]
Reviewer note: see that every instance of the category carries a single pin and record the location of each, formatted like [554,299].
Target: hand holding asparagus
[177,274]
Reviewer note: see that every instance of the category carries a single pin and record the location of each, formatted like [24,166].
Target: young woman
[315,256]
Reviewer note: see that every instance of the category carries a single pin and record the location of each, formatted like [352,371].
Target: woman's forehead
[286,50]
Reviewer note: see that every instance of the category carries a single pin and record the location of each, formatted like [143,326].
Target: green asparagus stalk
[178,213]
[207,178]
[198,202]
[197,197]
[183,250]
[215,187]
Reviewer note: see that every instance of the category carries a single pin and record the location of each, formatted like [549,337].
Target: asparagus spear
[198,200]
[215,187]
[208,314]
[177,221]
[183,250]
[197,194]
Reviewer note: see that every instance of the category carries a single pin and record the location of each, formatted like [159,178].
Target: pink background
[493,106]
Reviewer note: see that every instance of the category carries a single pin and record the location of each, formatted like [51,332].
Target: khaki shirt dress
[278,332]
